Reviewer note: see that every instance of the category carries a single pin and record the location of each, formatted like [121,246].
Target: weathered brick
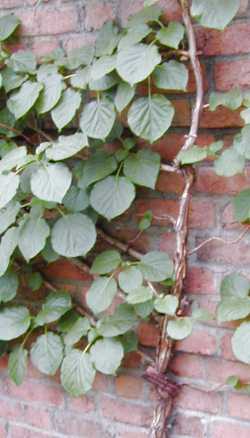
[218,252]
[232,74]
[188,365]
[221,118]
[32,391]
[200,280]
[221,429]
[239,406]
[226,347]
[148,334]
[198,400]
[199,342]
[191,425]
[97,13]
[118,410]
[218,370]
[63,269]
[129,386]
[24,432]
[208,182]
[17,411]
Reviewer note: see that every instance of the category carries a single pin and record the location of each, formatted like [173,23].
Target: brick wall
[122,407]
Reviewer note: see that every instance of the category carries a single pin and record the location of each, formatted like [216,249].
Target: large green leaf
[139,295]
[66,109]
[51,93]
[233,308]
[12,159]
[107,355]
[8,187]
[134,35]
[145,15]
[242,142]
[76,199]
[23,61]
[73,235]
[150,117]
[39,230]
[77,373]
[101,294]
[106,262]
[50,182]
[123,319]
[192,155]
[124,94]
[97,118]
[14,321]
[213,13]
[81,78]
[21,101]
[8,286]
[102,66]
[107,39]
[156,266]
[235,285]
[143,168]
[130,278]
[172,75]
[97,167]
[8,25]
[171,35]
[17,364]
[241,205]
[7,247]
[180,328]
[231,99]
[230,163]
[79,56]
[105,83]
[66,146]
[56,304]
[166,304]
[11,79]
[77,330]
[47,353]
[112,196]
[136,63]
[241,342]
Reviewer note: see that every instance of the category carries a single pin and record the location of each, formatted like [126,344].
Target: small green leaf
[145,15]
[241,205]
[124,95]
[143,168]
[39,230]
[233,308]
[21,101]
[139,295]
[51,93]
[171,75]
[231,99]
[97,118]
[146,221]
[35,281]
[122,320]
[77,373]
[195,154]
[16,157]
[167,305]
[134,35]
[56,304]
[11,79]
[8,25]
[66,146]
[242,142]
[73,235]
[8,215]
[80,56]
[112,196]
[47,353]
[17,364]
[48,253]
[50,182]
[23,61]
[230,163]
[129,342]
[130,278]
[232,381]
[14,321]
[107,39]
[7,247]
[76,199]
[79,329]
[8,286]
[106,262]
[180,328]
[101,294]
[8,187]
[245,114]
[107,355]
[235,285]
[171,35]
[97,167]
[241,342]
[214,14]
[156,266]
[143,310]
[202,315]
[66,109]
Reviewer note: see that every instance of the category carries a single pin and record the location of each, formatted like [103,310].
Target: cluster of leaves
[53,194]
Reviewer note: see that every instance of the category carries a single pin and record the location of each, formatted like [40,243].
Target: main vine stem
[167,390]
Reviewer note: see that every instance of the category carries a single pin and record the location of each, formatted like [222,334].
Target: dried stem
[124,247]
[17,132]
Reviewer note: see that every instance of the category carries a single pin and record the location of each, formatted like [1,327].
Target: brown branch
[170,168]
[17,132]
[40,132]
[124,247]
[220,239]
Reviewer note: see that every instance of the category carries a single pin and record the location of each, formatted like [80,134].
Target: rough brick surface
[121,407]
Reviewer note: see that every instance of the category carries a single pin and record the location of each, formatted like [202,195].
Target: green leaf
[16,157]
[56,304]
[97,167]
[50,182]
[76,199]
[79,329]
[107,355]
[235,285]
[23,61]
[171,35]
[136,63]
[166,304]
[66,109]
[146,221]
[150,117]
[233,308]
[143,168]
[180,328]
[122,320]
[242,142]
[171,75]
[80,56]
[130,278]
[129,342]
[230,163]
[202,315]
[81,78]
[24,99]
[215,147]
[35,281]
[8,25]
[245,114]
[233,381]
[112,196]
[73,235]
[8,187]
[145,15]
[105,83]
[134,35]
[241,342]
[143,310]
[231,99]
[195,154]
[39,230]
[101,294]
[48,253]
[8,215]
[7,247]
[17,364]
[14,321]
[97,118]
[124,95]
[47,353]
[66,146]
[139,295]
[77,373]
[102,66]
[51,93]
[241,206]
[214,14]
[106,262]
[156,266]
[8,286]
[11,79]
[107,39]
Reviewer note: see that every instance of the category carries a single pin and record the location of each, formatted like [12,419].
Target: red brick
[221,118]
[170,183]
[232,74]
[188,365]
[229,430]
[75,425]
[207,181]
[136,434]
[218,370]
[102,382]
[44,46]
[168,243]
[3,430]
[148,334]
[24,432]
[117,410]
[81,404]
[226,347]
[97,13]
[182,112]
[129,386]
[190,425]
[227,218]
[4,4]
[239,406]
[199,342]
[63,269]
[218,252]
[35,392]
[200,280]
[17,411]
[197,400]
[77,41]
[132,360]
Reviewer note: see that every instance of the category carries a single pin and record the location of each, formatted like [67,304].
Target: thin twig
[169,168]
[42,133]
[220,239]
[17,132]
[124,247]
